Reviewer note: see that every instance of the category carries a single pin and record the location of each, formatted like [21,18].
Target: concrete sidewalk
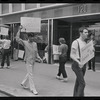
[46,83]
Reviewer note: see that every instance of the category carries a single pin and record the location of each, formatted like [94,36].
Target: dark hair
[31,34]
[62,40]
[82,28]
[90,33]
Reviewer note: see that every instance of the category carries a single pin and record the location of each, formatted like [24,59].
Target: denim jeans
[62,70]
[80,82]
[91,63]
[5,55]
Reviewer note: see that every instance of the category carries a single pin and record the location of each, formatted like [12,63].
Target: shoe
[89,68]
[94,70]
[1,67]
[7,67]
[24,86]
[35,92]
[58,77]
[65,79]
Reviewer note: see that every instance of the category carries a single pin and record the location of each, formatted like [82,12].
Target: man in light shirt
[31,53]
[5,51]
[77,67]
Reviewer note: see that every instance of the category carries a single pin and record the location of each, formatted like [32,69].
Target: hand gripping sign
[87,53]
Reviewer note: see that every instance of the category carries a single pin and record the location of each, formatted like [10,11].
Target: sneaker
[65,79]
[24,86]
[89,68]
[94,70]
[35,92]
[58,77]
[7,67]
[1,67]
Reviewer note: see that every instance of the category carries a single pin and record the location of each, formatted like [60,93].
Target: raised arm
[18,39]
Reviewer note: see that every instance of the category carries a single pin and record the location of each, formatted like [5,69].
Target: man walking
[77,67]
[6,43]
[30,55]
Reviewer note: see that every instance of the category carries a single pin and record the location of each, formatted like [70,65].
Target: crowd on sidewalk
[31,54]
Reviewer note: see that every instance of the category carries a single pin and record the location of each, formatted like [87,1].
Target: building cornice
[38,9]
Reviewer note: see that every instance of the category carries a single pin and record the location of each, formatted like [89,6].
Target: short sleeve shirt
[75,46]
[63,49]
[30,50]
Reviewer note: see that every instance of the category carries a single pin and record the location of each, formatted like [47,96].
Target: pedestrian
[5,52]
[63,49]
[77,67]
[91,63]
[16,47]
[30,55]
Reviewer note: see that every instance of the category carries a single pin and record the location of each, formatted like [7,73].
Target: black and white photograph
[49,49]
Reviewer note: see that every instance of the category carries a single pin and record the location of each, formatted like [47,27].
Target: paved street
[45,79]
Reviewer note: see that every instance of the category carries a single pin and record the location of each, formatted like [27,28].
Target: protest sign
[56,52]
[31,24]
[56,49]
[21,54]
[4,31]
[87,53]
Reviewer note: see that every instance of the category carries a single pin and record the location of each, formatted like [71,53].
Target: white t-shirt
[6,44]
[75,46]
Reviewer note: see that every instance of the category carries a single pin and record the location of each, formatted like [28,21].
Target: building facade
[57,20]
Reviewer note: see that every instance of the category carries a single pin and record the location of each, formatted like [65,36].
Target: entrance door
[61,29]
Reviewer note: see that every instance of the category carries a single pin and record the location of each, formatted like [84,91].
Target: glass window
[46,4]
[16,7]
[5,8]
[30,6]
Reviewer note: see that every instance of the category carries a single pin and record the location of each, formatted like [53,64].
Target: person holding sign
[77,67]
[63,49]
[31,53]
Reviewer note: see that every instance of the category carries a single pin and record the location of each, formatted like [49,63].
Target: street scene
[49,49]
[45,81]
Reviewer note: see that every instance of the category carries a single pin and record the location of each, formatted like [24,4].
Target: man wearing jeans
[6,43]
[77,67]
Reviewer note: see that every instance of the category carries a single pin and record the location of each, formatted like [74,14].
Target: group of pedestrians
[31,53]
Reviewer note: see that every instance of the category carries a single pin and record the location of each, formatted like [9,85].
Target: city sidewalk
[45,80]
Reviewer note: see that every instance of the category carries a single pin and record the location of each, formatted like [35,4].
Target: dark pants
[91,63]
[5,55]
[80,82]
[62,70]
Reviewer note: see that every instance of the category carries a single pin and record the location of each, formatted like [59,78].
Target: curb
[8,94]
[14,92]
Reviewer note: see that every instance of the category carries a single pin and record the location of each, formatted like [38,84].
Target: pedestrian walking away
[31,53]
[6,43]
[77,67]
[63,49]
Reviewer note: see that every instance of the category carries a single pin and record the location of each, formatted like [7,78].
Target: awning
[1,25]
